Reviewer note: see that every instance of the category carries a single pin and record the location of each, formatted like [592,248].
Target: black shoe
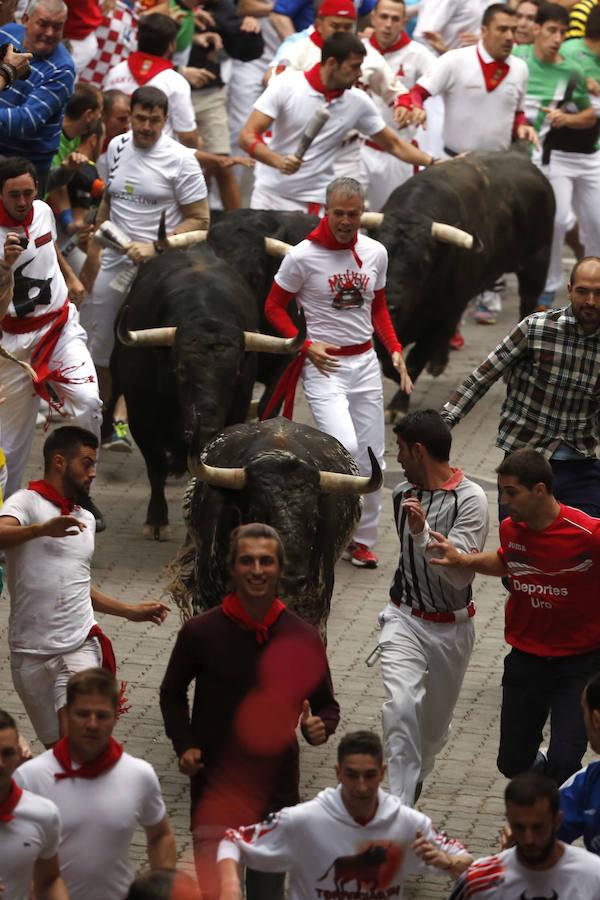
[418,790]
[86,502]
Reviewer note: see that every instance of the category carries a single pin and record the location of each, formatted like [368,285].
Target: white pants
[575,180]
[431,138]
[41,683]
[80,402]
[99,311]
[349,406]
[264,199]
[380,173]
[83,51]
[423,665]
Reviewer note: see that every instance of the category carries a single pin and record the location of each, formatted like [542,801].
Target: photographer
[13,65]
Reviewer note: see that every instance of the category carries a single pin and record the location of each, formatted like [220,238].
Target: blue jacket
[580,804]
[31,111]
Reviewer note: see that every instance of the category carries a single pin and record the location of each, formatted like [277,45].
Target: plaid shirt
[553,385]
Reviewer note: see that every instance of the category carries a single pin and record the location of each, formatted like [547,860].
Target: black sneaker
[86,502]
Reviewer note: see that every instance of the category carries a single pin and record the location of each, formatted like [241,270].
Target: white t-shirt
[291,102]
[99,816]
[179,94]
[39,284]
[48,581]
[334,291]
[143,183]
[450,18]
[407,65]
[476,119]
[33,834]
[576,876]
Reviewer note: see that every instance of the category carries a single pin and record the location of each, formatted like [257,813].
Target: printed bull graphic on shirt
[347,288]
[526,896]
[363,868]
[30,292]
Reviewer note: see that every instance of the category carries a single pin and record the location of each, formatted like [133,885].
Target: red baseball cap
[343,8]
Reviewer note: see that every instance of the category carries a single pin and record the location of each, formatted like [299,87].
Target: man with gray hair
[31,111]
[337,276]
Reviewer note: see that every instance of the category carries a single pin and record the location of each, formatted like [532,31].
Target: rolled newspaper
[312,129]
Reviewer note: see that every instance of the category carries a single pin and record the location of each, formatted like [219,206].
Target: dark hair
[253,530]
[529,787]
[592,26]
[67,441]
[164,884]
[536,3]
[150,98]
[551,12]
[84,97]
[93,681]
[495,10]
[7,721]
[366,743]
[591,692]
[156,33]
[341,45]
[426,426]
[529,467]
[14,167]
[110,98]
[399,2]
[583,259]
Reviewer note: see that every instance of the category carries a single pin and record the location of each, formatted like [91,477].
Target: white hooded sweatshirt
[331,856]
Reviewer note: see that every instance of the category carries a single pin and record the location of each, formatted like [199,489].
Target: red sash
[144,66]
[402,41]
[6,808]
[92,769]
[313,76]
[45,490]
[7,221]
[233,609]
[316,38]
[494,72]
[324,236]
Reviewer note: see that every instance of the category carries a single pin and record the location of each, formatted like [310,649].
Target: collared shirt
[553,388]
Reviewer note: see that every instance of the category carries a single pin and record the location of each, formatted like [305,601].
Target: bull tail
[323,877]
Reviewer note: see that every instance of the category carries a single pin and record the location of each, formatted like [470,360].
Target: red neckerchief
[98,766]
[45,490]
[313,76]
[323,235]
[402,41]
[233,609]
[144,66]
[494,72]
[11,801]
[7,221]
[316,38]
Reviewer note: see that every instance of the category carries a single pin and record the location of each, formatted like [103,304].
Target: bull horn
[336,483]
[266,343]
[233,479]
[451,235]
[19,362]
[179,241]
[277,248]
[148,337]
[371,220]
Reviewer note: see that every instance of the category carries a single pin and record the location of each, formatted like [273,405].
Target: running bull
[185,362]
[293,477]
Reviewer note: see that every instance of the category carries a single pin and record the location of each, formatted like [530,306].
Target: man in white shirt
[151,65]
[408,60]
[102,794]
[285,182]
[49,542]
[148,173]
[448,24]
[352,835]
[538,865]
[29,830]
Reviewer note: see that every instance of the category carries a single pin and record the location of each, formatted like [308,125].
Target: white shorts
[41,683]
[262,198]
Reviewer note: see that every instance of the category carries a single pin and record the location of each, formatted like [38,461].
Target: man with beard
[48,541]
[539,865]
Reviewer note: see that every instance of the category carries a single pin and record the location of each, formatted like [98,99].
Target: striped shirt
[31,111]
[578,17]
[458,510]
[553,385]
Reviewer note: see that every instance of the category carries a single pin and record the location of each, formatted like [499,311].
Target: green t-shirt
[66,146]
[589,63]
[187,26]
[547,85]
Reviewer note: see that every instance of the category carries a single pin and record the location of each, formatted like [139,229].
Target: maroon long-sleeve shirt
[247,700]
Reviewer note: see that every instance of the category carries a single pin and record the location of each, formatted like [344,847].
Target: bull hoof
[156,532]
[393,416]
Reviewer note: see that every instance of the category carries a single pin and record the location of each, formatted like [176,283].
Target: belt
[450,152]
[458,615]
[351,349]
[373,146]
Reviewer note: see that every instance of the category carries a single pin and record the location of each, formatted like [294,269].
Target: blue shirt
[31,111]
[580,804]
[302,12]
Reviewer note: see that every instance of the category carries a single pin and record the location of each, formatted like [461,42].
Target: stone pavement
[464,794]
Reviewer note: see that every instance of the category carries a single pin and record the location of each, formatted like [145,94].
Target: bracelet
[65,217]
[257,140]
[9,72]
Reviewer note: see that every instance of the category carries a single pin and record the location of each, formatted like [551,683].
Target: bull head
[234,479]
[447,234]
[254,341]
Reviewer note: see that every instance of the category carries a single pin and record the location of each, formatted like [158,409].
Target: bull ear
[162,226]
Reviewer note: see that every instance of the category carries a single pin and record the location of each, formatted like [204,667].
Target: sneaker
[457,341]
[360,555]
[120,439]
[484,316]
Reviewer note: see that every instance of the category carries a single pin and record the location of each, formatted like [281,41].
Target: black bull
[284,485]
[363,868]
[502,199]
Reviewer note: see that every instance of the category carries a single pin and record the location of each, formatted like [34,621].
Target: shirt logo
[347,288]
